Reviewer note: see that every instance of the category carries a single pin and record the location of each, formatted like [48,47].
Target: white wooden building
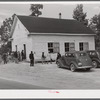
[50,35]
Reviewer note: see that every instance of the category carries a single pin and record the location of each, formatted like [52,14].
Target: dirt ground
[50,76]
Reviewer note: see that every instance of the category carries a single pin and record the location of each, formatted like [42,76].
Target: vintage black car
[75,60]
[95,56]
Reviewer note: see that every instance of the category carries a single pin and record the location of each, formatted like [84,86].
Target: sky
[49,10]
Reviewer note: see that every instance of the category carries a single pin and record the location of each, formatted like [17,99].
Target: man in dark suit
[31,56]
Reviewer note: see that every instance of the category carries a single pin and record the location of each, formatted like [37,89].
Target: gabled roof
[52,25]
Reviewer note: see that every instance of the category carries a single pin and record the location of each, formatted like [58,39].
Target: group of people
[31,56]
[18,56]
[44,58]
[15,56]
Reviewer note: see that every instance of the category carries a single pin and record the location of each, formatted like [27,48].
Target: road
[9,84]
[48,76]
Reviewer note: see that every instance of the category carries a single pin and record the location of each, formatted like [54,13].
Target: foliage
[95,23]
[95,26]
[35,9]
[5,34]
[5,48]
[79,15]
[6,28]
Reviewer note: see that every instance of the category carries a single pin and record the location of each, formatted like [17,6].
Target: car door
[65,60]
[68,59]
[71,58]
[85,59]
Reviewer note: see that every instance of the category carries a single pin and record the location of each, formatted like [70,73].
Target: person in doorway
[31,56]
[16,56]
[22,55]
[19,56]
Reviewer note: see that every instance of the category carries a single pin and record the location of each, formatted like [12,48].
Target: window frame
[83,48]
[55,47]
[65,45]
[70,46]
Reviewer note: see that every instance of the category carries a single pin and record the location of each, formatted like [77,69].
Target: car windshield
[98,53]
[69,54]
[93,53]
[81,54]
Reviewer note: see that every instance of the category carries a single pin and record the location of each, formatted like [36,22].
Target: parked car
[75,60]
[95,56]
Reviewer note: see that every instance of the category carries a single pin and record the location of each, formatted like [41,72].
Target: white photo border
[51,94]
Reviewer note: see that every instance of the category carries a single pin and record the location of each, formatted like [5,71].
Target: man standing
[22,55]
[31,56]
[58,56]
[16,57]
[5,58]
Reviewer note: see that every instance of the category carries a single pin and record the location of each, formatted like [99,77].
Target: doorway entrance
[24,51]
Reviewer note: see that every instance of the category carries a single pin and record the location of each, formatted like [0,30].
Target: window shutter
[72,46]
[86,46]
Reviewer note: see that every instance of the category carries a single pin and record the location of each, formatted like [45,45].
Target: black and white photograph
[46,46]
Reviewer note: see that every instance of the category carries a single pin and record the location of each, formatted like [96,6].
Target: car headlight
[79,64]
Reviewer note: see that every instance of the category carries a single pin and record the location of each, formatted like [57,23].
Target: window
[53,47]
[82,54]
[70,55]
[69,46]
[50,47]
[83,46]
[66,47]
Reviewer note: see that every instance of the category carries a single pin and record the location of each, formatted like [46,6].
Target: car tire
[88,69]
[95,64]
[58,64]
[72,68]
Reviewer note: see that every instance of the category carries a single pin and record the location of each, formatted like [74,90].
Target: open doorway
[24,51]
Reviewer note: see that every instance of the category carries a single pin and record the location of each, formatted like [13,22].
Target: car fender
[72,62]
[60,61]
[95,59]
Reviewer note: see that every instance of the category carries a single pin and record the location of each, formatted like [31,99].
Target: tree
[5,30]
[35,9]
[79,15]
[95,23]
[95,26]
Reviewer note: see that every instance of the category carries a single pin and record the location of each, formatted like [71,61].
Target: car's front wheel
[72,67]
[95,65]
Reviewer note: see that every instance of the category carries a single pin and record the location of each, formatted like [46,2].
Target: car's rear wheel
[58,64]
[95,65]
[72,67]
